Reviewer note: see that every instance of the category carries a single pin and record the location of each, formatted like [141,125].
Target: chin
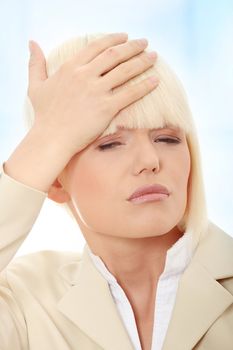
[146,231]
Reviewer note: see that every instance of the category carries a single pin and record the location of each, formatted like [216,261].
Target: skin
[131,239]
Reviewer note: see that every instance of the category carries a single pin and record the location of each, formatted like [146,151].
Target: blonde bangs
[165,105]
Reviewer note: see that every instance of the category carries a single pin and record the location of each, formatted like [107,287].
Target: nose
[146,158]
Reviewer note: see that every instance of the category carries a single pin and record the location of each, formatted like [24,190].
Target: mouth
[149,193]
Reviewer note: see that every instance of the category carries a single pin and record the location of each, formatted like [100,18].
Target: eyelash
[165,139]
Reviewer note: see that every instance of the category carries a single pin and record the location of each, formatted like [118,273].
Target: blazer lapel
[89,304]
[201,299]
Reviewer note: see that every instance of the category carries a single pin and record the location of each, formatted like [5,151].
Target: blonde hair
[166,105]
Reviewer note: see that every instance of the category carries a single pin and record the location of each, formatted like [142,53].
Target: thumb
[37,64]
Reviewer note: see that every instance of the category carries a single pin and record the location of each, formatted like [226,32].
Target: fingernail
[152,54]
[142,42]
[154,80]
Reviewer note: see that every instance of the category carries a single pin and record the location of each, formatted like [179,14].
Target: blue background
[195,37]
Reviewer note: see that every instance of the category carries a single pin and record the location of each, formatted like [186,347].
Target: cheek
[182,175]
[92,196]
[178,171]
[187,167]
[88,184]
[92,184]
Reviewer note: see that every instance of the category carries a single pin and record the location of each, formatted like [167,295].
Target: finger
[129,69]
[130,94]
[97,46]
[37,64]
[115,55]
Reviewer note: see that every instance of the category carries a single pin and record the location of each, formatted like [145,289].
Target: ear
[57,193]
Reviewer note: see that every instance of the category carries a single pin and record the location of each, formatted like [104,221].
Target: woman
[119,149]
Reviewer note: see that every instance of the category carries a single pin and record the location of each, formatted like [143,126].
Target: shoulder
[40,267]
[215,253]
[215,239]
[217,232]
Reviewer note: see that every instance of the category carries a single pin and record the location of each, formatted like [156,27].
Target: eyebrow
[122,128]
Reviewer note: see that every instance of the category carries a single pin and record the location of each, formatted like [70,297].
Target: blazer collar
[200,299]
[89,304]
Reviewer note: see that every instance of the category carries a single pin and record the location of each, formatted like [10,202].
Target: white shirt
[177,259]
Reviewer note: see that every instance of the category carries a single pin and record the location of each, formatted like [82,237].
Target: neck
[134,262]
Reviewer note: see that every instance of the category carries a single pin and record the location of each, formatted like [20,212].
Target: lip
[149,193]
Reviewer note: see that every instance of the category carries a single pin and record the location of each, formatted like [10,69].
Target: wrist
[38,159]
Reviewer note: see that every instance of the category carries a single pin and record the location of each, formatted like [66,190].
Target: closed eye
[168,140]
[108,145]
[164,139]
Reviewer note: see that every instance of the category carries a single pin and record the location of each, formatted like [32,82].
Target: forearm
[19,208]
[38,159]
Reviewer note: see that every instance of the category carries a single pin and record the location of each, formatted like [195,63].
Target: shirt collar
[177,259]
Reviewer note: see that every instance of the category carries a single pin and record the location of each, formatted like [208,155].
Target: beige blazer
[59,301]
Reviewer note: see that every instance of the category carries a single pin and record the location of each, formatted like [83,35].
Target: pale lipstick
[148,193]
